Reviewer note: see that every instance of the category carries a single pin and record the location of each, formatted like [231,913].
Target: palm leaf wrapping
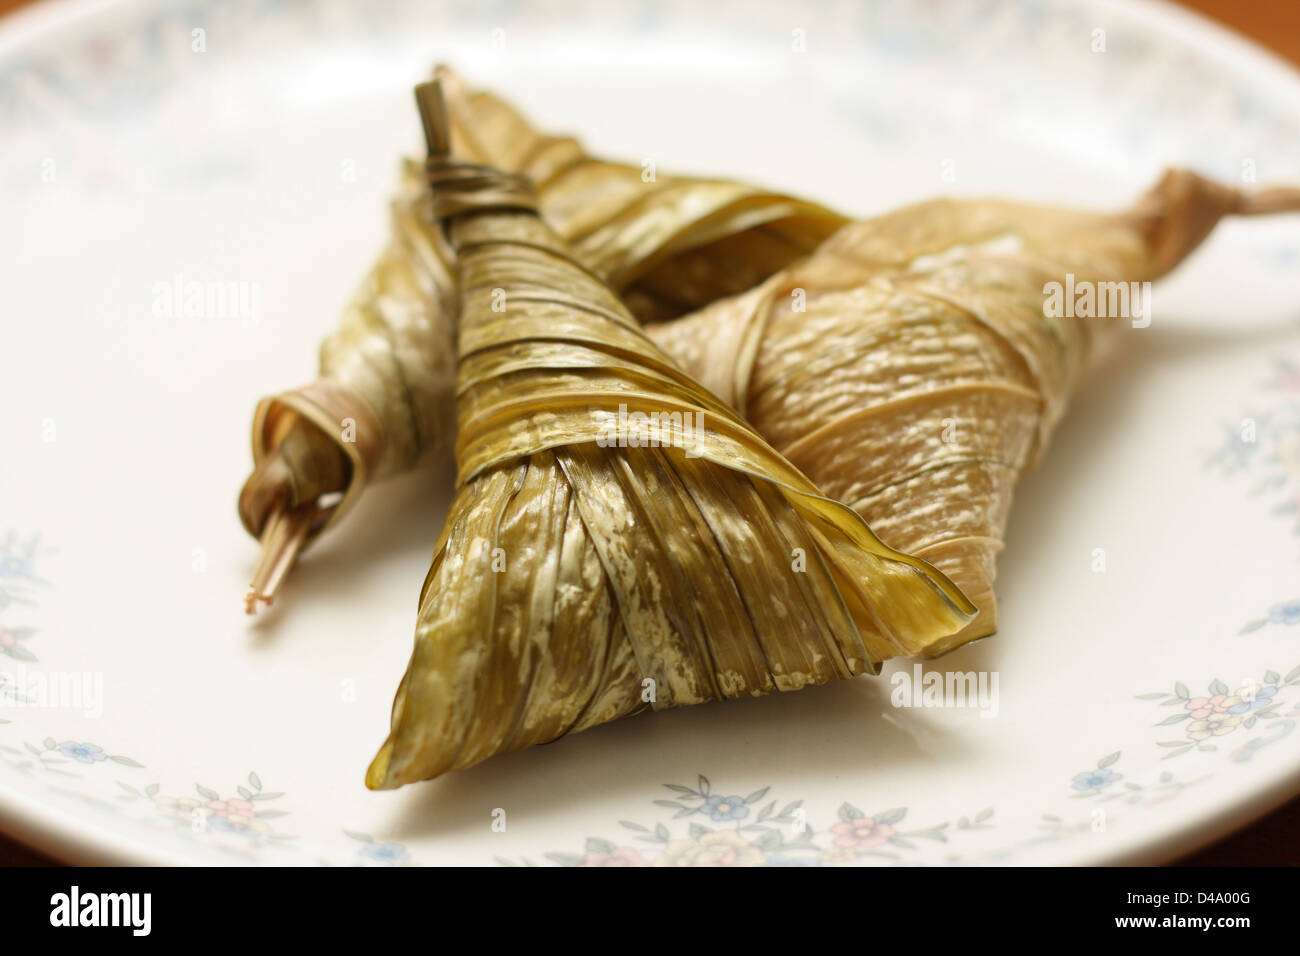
[907,365]
[575,580]
[911,369]
[383,395]
[382,398]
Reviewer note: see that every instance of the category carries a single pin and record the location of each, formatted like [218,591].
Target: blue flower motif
[1263,698]
[220,824]
[389,853]
[1288,613]
[1234,453]
[1091,780]
[725,808]
[86,753]
[13,566]
[18,559]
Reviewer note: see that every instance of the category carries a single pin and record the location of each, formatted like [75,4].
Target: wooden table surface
[1272,841]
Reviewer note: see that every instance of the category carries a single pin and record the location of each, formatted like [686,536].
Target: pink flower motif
[231,806]
[862,833]
[622,856]
[1202,707]
[1216,725]
[6,639]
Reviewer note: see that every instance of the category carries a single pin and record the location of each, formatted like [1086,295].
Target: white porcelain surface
[130,159]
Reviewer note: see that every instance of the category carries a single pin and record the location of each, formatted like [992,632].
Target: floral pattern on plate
[19,588]
[242,813]
[1220,711]
[755,831]
[65,758]
[1265,443]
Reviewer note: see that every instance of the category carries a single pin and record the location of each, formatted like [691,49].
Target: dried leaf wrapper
[582,565]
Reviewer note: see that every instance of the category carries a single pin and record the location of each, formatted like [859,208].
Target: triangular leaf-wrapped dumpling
[669,244]
[913,367]
[618,536]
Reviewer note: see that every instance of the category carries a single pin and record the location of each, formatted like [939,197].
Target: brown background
[1275,840]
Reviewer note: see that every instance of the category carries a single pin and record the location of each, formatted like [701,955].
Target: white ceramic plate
[261,149]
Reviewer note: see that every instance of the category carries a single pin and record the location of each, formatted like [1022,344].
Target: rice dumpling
[914,366]
[618,537]
[383,395]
